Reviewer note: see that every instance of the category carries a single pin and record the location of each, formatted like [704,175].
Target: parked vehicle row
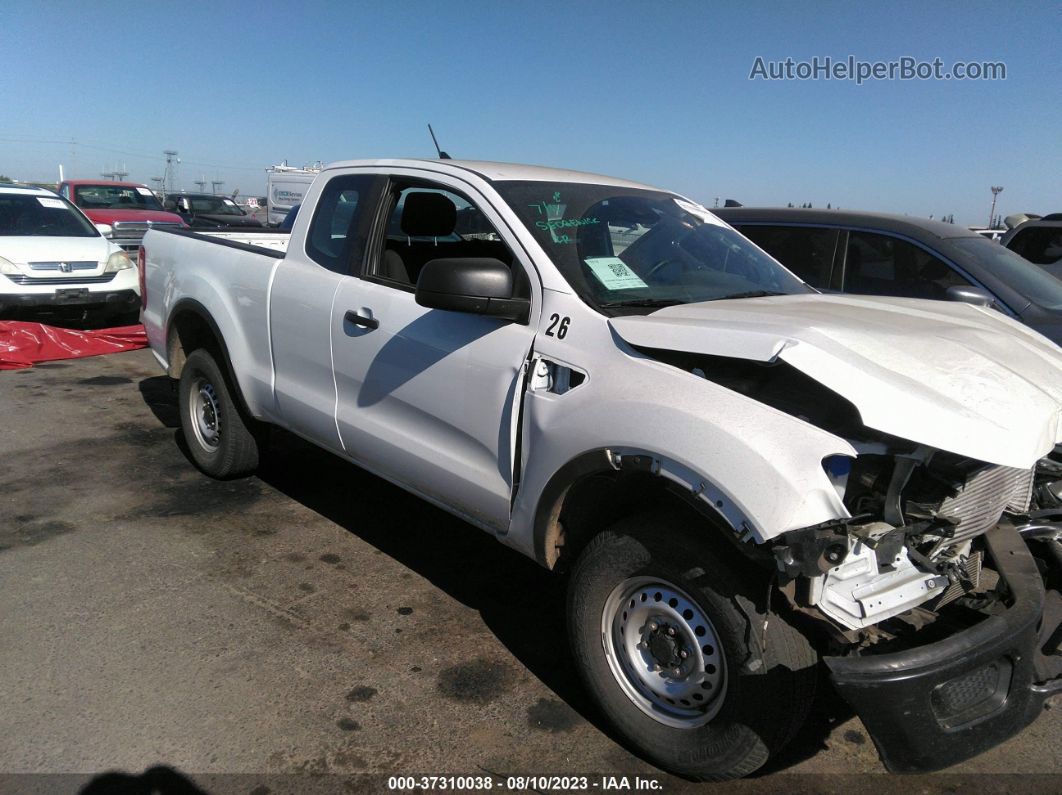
[740,477]
[52,257]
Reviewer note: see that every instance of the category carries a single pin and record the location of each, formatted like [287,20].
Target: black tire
[236,448]
[770,667]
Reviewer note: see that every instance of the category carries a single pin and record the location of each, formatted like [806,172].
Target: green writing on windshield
[564,223]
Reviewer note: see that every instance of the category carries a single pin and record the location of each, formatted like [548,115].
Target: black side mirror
[478,285]
[977,296]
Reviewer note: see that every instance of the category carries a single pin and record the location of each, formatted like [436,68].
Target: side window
[805,251]
[341,222]
[428,222]
[1039,244]
[883,265]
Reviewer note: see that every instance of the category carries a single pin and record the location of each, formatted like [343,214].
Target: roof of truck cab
[912,226]
[498,172]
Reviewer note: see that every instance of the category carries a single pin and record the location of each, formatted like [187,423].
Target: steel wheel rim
[205,415]
[646,624]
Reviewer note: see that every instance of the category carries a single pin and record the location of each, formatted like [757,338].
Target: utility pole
[215,184]
[169,179]
[201,182]
[996,190]
[158,184]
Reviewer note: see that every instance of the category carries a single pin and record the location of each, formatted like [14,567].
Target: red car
[129,208]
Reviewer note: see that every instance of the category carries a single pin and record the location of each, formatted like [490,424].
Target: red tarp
[22,344]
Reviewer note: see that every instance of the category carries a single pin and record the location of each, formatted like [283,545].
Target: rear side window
[806,251]
[341,221]
[883,265]
[1039,244]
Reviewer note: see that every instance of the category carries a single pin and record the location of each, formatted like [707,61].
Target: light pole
[996,190]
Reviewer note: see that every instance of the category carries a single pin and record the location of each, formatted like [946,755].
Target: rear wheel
[670,637]
[222,442]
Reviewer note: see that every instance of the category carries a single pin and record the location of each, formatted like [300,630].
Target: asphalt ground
[312,628]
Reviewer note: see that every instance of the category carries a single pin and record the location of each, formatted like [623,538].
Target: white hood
[42,248]
[949,375]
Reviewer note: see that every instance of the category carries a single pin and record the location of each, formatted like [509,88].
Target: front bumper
[935,705]
[119,300]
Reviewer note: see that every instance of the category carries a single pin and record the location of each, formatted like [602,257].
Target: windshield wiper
[655,302]
[749,294]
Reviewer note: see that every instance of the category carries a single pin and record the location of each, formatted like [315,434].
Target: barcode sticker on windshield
[54,204]
[144,191]
[614,273]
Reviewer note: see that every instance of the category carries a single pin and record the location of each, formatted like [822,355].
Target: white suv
[51,256]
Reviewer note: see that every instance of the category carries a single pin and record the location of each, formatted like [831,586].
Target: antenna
[442,154]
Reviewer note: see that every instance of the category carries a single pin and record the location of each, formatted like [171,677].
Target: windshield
[214,205]
[626,250]
[115,197]
[1031,281]
[45,216]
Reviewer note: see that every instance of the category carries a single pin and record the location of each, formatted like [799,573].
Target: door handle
[360,320]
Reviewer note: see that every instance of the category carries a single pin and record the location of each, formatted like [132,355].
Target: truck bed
[270,243]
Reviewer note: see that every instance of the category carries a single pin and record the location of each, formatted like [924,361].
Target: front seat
[423,215]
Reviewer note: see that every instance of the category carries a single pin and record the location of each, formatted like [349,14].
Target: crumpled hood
[949,375]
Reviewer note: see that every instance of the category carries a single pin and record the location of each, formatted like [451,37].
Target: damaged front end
[912,538]
[942,594]
[939,592]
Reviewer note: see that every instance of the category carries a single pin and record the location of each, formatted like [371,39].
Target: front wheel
[669,635]
[220,440]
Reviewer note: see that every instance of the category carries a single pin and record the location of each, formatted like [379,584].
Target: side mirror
[478,285]
[977,296]
[104,229]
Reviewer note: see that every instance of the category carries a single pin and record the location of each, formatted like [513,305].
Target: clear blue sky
[657,92]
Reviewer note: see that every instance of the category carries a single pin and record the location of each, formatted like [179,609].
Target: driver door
[429,398]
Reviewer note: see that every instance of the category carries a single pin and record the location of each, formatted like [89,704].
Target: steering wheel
[650,273]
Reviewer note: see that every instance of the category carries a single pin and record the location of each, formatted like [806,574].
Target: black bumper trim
[900,696]
[109,298]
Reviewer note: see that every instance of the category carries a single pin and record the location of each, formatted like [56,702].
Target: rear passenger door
[427,397]
[318,261]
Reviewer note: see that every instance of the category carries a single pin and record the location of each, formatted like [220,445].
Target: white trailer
[286,186]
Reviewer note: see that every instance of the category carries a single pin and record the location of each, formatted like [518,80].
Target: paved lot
[313,620]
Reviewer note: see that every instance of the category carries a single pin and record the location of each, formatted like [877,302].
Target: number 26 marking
[562,329]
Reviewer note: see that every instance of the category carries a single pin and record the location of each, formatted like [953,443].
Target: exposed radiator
[987,493]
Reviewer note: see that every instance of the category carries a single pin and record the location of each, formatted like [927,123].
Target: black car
[207,211]
[896,255]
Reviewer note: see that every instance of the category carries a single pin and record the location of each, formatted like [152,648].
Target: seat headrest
[428,215]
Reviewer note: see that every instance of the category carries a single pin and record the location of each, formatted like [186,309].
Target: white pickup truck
[741,478]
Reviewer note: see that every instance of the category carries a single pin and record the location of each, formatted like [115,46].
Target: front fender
[759,468]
